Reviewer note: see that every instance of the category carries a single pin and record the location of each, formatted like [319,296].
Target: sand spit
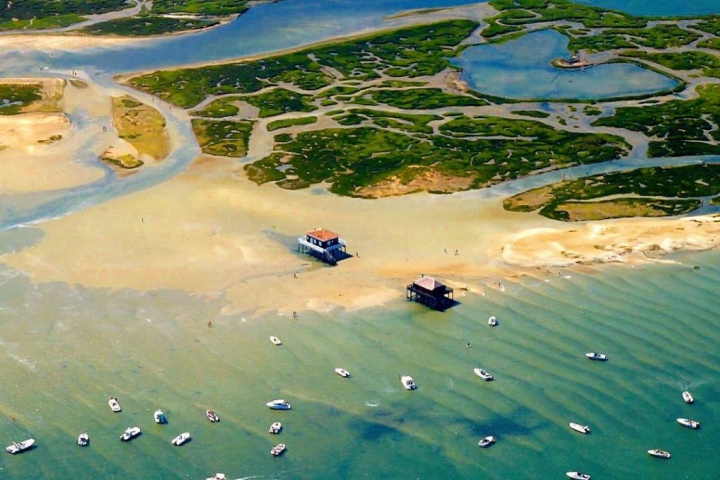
[210,231]
[624,241]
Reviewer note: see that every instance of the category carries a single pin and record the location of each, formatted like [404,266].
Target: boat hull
[408,382]
[277,449]
[486,442]
[483,374]
[180,439]
[659,453]
[20,446]
[129,434]
[114,405]
[578,476]
[278,404]
[584,429]
[598,357]
[685,422]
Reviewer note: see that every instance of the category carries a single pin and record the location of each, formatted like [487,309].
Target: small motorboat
[596,356]
[83,439]
[688,423]
[218,476]
[408,382]
[159,417]
[114,404]
[275,428]
[492,321]
[342,372]
[277,449]
[580,428]
[687,397]
[212,416]
[18,447]
[483,374]
[486,442]
[180,439]
[275,340]
[578,475]
[656,452]
[279,404]
[130,433]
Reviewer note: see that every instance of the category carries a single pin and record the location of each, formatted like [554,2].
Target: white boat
[687,397]
[342,372]
[580,428]
[279,404]
[492,321]
[130,433]
[685,422]
[218,476]
[18,447]
[275,428]
[578,475]
[212,416]
[114,405]
[486,442]
[83,439]
[275,340]
[277,449]
[180,439]
[408,382]
[596,356]
[656,452]
[159,417]
[483,374]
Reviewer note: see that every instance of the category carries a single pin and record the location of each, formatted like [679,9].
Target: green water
[64,351]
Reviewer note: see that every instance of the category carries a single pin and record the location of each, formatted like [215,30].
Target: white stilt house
[323,244]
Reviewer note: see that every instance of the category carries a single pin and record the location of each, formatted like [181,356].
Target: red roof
[322,234]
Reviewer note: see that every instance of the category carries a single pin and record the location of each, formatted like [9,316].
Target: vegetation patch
[126,162]
[411,52]
[223,138]
[142,126]
[290,122]
[15,99]
[144,26]
[422,99]
[280,100]
[643,192]
[354,159]
[679,127]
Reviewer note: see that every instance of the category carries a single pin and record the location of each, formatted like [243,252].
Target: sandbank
[212,232]
[60,42]
[32,162]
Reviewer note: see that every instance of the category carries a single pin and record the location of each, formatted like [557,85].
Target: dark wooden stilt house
[430,292]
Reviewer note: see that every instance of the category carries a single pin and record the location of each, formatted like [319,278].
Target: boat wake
[371,403]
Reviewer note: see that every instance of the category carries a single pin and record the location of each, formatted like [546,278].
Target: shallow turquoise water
[64,352]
